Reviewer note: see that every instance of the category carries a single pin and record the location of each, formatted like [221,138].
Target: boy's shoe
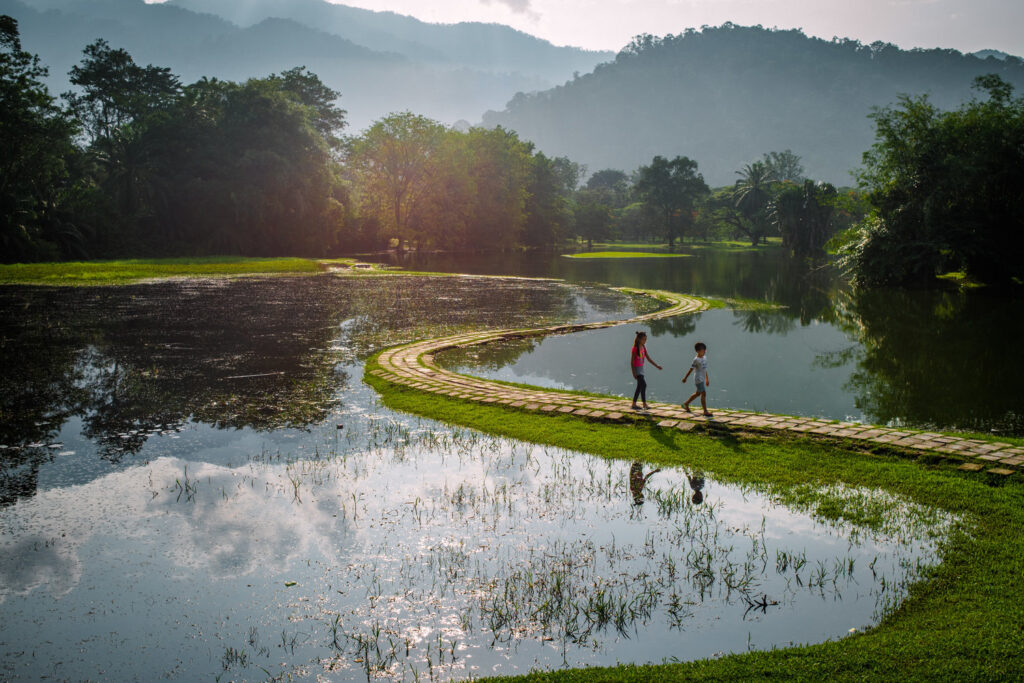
[687,408]
[707,414]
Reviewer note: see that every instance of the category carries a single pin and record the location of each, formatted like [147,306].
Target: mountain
[995,54]
[397,63]
[490,47]
[724,96]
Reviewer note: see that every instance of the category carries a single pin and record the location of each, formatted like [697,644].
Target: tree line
[132,162]
[669,200]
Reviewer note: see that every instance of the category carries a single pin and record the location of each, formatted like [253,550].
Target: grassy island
[624,254]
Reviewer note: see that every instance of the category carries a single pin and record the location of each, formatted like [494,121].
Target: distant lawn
[624,254]
[713,245]
[125,271]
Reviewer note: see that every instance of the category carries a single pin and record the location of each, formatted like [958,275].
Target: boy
[701,379]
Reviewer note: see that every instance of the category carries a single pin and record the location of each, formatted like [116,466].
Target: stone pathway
[413,365]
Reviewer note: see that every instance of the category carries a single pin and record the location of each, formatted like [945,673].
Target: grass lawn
[133,270]
[624,254]
[721,245]
[963,621]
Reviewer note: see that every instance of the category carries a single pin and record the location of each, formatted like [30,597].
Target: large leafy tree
[117,102]
[945,191]
[256,162]
[37,156]
[499,170]
[671,188]
[393,167]
[548,209]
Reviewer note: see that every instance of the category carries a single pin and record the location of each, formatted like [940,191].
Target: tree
[548,213]
[784,167]
[593,216]
[637,221]
[115,92]
[482,191]
[751,195]
[612,185]
[945,191]
[306,88]
[671,188]
[117,101]
[36,158]
[608,180]
[392,165]
[803,215]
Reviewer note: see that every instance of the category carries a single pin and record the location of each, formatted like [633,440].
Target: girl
[636,364]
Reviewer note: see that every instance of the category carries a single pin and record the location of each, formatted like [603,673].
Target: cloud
[518,6]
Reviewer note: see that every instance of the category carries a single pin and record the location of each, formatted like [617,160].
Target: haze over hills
[474,45]
[724,96]
[380,62]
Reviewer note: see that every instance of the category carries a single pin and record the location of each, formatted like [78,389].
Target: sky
[965,25]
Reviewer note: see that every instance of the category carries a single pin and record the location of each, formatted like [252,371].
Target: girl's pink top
[638,358]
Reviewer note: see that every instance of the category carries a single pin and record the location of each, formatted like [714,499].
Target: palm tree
[751,196]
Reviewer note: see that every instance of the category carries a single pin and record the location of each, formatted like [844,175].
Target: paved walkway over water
[413,365]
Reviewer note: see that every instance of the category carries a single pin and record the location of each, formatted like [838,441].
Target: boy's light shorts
[700,388]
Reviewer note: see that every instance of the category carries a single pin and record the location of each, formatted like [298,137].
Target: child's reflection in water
[637,481]
[697,484]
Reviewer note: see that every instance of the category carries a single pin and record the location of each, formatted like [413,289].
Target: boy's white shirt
[700,369]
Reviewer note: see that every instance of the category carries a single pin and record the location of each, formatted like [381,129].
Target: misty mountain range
[379,61]
[723,96]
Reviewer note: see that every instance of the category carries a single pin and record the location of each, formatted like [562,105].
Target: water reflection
[113,368]
[936,359]
[696,481]
[425,551]
[886,356]
[638,480]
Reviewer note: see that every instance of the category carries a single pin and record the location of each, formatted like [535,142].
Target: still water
[195,483]
[928,360]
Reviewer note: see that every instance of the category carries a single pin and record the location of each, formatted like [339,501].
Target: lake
[919,359]
[196,483]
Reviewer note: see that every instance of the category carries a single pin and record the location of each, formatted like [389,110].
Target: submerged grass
[624,254]
[963,621]
[132,270]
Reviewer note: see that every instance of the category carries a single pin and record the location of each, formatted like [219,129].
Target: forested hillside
[723,96]
[380,62]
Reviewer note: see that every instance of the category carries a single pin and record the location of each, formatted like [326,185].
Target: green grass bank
[963,621]
[77,273]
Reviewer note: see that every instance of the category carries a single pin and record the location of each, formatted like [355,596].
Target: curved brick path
[413,365]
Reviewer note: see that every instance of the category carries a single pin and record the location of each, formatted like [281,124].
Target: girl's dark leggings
[641,389]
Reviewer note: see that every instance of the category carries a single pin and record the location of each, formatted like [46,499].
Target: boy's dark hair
[700,346]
